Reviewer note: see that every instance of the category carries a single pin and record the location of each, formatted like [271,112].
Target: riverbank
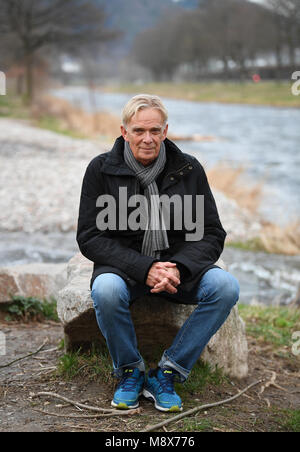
[276,94]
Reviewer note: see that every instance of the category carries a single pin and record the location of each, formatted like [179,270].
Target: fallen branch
[199,408]
[88,407]
[271,382]
[26,356]
[76,416]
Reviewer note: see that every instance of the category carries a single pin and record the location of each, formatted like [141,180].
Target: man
[158,257]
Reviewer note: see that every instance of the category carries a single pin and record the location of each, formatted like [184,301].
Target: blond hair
[140,102]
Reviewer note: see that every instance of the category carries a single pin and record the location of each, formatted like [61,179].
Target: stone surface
[156,322]
[39,280]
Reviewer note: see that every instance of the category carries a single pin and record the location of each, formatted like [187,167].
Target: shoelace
[166,381]
[128,381]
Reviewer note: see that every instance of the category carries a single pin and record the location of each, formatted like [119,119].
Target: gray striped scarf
[155,237]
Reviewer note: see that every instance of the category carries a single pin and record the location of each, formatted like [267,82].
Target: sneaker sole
[172,409]
[124,406]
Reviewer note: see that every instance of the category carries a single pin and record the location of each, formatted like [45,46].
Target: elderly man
[153,255]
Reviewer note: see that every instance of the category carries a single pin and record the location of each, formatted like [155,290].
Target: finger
[169,264]
[171,278]
[164,286]
[163,274]
[170,289]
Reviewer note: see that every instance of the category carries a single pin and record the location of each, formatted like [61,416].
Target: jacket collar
[114,163]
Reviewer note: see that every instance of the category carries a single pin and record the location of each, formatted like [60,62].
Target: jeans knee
[229,290]
[108,291]
[223,287]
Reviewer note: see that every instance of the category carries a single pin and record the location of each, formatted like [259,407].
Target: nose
[147,137]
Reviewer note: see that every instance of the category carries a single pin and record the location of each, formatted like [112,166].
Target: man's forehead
[147,117]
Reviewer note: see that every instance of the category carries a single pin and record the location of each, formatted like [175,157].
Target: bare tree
[236,31]
[230,31]
[287,19]
[35,25]
[153,49]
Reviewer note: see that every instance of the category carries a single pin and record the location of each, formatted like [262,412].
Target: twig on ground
[271,383]
[74,416]
[26,356]
[200,407]
[88,407]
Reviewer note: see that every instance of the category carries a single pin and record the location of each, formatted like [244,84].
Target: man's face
[145,133]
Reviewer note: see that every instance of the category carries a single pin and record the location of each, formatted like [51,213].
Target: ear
[124,133]
[165,132]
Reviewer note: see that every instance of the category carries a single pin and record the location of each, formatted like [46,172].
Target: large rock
[156,322]
[38,280]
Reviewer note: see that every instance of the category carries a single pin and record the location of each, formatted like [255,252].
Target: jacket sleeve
[195,256]
[97,245]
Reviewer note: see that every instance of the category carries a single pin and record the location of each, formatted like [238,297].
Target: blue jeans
[216,294]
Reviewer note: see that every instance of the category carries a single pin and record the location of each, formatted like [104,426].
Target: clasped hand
[163,277]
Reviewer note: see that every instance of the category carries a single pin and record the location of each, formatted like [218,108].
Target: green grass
[30,309]
[193,425]
[202,374]
[263,93]
[254,244]
[271,324]
[94,365]
[291,421]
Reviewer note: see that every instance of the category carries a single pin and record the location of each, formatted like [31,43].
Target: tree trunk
[19,85]
[29,78]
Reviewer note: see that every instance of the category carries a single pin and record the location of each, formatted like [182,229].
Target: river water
[264,140]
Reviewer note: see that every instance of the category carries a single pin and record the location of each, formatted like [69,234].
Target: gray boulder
[40,280]
[156,322]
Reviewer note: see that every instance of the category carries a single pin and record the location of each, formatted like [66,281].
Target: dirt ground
[263,408]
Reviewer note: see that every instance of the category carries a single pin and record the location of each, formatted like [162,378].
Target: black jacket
[119,251]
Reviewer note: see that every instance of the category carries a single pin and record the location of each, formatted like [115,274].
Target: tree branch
[26,356]
[199,408]
[87,407]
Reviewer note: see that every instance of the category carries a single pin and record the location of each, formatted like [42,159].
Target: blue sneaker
[129,389]
[159,387]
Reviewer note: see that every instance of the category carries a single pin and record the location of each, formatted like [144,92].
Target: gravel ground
[41,175]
